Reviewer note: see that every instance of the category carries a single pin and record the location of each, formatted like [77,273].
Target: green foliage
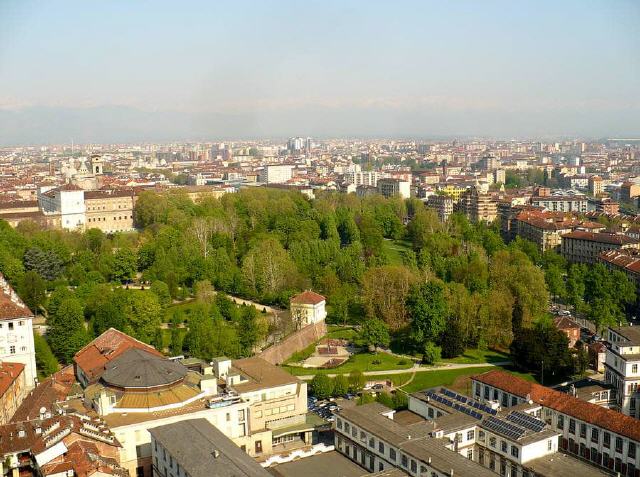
[322,386]
[66,331]
[431,353]
[340,385]
[428,311]
[161,290]
[375,333]
[32,290]
[46,361]
[124,265]
[46,263]
[356,381]
[543,347]
[452,341]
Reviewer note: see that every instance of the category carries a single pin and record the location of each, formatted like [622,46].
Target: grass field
[394,250]
[457,379]
[360,362]
[473,356]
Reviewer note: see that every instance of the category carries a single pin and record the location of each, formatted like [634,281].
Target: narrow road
[419,369]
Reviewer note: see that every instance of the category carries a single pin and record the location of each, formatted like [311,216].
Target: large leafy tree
[428,311]
[375,333]
[66,331]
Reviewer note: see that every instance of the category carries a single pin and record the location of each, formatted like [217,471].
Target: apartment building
[580,246]
[359,178]
[394,188]
[442,204]
[625,260]
[478,206]
[546,229]
[601,436]
[622,368]
[195,448]
[109,210]
[276,173]
[561,203]
[16,332]
[13,389]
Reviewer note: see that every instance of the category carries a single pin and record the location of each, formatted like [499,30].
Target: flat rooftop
[563,464]
[327,464]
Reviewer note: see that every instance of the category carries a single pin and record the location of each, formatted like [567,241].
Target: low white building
[67,202]
[308,308]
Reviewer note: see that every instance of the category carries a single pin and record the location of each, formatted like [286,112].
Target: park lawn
[394,249]
[456,379]
[358,362]
[477,356]
[341,332]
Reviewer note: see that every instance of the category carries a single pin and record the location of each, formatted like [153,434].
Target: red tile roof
[602,237]
[571,406]
[50,391]
[9,372]
[308,298]
[11,306]
[109,345]
[564,323]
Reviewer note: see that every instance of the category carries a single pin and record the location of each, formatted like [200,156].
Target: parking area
[325,407]
[328,464]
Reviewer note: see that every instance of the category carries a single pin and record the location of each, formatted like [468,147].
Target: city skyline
[137,72]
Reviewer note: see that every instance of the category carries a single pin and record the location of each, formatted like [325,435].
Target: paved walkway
[417,368]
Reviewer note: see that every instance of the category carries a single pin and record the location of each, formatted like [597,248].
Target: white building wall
[16,345]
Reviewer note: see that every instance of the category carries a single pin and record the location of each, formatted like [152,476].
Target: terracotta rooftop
[11,306]
[9,372]
[54,389]
[308,297]
[602,237]
[571,406]
[109,345]
[564,323]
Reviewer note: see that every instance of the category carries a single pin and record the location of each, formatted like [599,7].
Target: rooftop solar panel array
[468,401]
[504,428]
[458,407]
[527,421]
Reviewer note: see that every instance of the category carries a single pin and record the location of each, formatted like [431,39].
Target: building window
[594,435]
[414,466]
[549,444]
[372,444]
[392,454]
[10,325]
[503,446]
[347,426]
[606,440]
[470,454]
[381,447]
[560,422]
[139,471]
[583,430]
[339,423]
[619,444]
[492,441]
[634,368]
[471,435]
[515,451]
[12,349]
[572,426]
[631,450]
[405,461]
[258,447]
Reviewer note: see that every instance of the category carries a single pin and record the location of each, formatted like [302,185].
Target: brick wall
[279,352]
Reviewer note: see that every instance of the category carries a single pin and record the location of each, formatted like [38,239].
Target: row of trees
[323,386]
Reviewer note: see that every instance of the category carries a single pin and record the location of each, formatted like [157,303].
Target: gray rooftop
[192,443]
[631,333]
[137,368]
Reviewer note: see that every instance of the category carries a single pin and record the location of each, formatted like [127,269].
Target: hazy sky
[121,70]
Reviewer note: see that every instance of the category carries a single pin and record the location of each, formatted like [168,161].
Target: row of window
[12,350]
[595,436]
[104,219]
[11,324]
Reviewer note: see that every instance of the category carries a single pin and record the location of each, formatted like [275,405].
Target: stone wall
[280,352]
